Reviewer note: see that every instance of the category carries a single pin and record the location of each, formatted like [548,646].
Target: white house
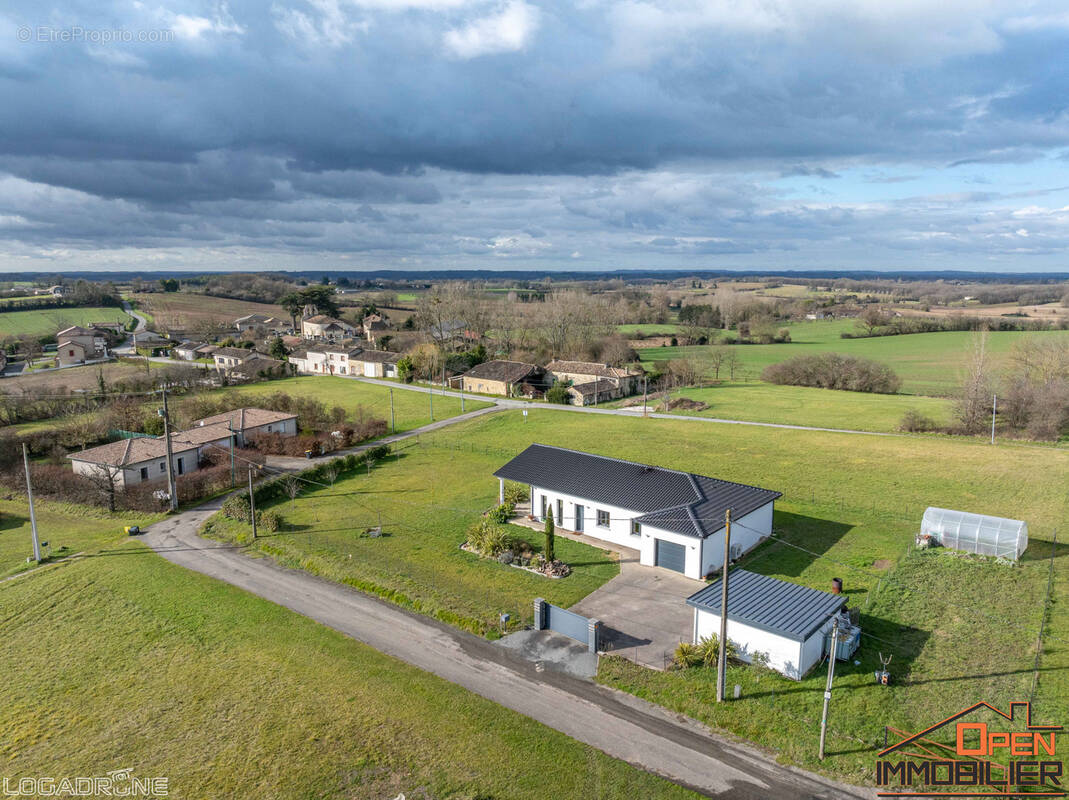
[247,423]
[320,326]
[674,519]
[328,360]
[790,624]
[211,440]
[133,461]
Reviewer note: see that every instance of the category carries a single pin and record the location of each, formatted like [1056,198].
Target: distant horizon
[574,274]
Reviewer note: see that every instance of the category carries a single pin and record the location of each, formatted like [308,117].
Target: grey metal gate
[671,555]
[561,620]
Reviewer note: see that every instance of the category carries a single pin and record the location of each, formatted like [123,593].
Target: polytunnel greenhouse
[974,533]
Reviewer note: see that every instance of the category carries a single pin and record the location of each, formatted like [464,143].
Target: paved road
[127,346]
[619,412]
[615,723]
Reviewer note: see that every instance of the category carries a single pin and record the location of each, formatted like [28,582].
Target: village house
[375,327]
[210,440]
[78,344]
[255,321]
[327,360]
[593,380]
[132,461]
[248,423]
[377,364]
[674,519]
[191,351]
[226,358]
[501,377]
[320,326]
[152,342]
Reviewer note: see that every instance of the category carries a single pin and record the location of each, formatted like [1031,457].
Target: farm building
[973,533]
[675,519]
[500,377]
[791,624]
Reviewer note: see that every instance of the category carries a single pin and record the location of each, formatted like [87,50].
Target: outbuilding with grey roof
[787,622]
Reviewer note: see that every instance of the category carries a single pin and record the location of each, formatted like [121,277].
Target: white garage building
[789,623]
[674,519]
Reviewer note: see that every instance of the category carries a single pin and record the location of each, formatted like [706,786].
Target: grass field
[67,528]
[51,320]
[756,401]
[425,498]
[928,363]
[183,309]
[85,377]
[126,661]
[961,630]
[651,329]
[411,409]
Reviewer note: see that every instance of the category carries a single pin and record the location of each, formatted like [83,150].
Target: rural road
[618,412]
[615,723]
[127,346]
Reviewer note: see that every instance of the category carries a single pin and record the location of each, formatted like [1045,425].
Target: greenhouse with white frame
[974,533]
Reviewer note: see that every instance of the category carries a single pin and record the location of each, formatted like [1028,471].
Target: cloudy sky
[599,134]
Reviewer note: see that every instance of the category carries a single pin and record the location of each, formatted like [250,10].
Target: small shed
[974,533]
[789,623]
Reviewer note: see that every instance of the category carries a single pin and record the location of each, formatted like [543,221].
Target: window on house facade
[163,467]
[603,518]
[544,501]
[560,510]
[636,528]
[144,473]
[269,429]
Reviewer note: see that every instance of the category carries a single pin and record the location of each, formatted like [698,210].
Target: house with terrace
[674,519]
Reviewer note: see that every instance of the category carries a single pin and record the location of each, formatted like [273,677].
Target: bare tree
[732,362]
[974,400]
[105,479]
[293,488]
[331,474]
[716,358]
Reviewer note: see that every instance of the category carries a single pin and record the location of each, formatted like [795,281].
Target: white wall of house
[743,534]
[619,530]
[154,469]
[784,655]
[285,427]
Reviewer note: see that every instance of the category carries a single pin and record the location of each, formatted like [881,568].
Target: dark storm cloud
[509,129]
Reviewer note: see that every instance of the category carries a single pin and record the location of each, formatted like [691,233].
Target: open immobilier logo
[974,757]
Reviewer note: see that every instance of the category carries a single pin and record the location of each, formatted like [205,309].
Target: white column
[500,491]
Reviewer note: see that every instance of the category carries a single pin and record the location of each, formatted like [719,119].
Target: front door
[578,518]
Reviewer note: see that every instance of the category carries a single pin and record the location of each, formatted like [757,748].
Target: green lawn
[426,498]
[651,328]
[411,409]
[756,401]
[67,528]
[51,320]
[127,661]
[928,363]
[961,630]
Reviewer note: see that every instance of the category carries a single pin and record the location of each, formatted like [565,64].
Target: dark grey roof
[507,371]
[692,505]
[783,608]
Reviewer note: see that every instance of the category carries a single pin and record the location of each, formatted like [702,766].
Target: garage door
[671,555]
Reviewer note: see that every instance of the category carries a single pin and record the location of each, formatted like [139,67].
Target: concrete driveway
[643,610]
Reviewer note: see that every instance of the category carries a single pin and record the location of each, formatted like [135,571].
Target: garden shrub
[515,493]
[488,538]
[915,422]
[501,514]
[269,520]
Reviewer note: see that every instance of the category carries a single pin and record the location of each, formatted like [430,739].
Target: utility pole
[462,395]
[230,427]
[721,656]
[171,489]
[430,394]
[645,386]
[252,504]
[393,428]
[994,410]
[595,391]
[29,494]
[827,688]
